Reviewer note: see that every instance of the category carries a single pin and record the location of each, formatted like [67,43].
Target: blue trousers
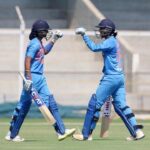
[110,85]
[113,85]
[40,84]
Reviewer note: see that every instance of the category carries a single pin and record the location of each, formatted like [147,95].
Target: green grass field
[40,136]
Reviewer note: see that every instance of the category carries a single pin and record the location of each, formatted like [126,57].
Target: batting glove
[27,85]
[49,35]
[80,31]
[56,35]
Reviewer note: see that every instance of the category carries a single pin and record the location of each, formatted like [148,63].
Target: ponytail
[114,34]
[32,35]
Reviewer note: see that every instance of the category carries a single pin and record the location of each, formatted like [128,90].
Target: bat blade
[105,127]
[47,114]
[106,118]
[41,105]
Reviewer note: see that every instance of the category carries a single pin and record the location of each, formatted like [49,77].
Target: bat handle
[23,77]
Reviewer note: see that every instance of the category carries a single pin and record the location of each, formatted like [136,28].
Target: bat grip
[23,77]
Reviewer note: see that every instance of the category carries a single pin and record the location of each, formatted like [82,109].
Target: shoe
[90,138]
[68,132]
[139,135]
[79,137]
[15,139]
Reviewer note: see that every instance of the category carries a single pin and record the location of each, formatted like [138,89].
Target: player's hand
[49,35]
[80,31]
[27,85]
[56,35]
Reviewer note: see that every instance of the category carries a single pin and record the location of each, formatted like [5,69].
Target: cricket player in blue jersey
[111,84]
[34,67]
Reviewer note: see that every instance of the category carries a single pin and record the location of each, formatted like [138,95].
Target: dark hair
[114,34]
[32,35]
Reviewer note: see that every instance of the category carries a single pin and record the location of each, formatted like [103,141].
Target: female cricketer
[34,67]
[111,84]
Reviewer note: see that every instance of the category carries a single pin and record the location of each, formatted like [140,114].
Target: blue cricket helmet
[39,25]
[106,28]
[106,23]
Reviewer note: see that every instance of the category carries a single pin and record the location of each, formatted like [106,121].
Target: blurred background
[72,71]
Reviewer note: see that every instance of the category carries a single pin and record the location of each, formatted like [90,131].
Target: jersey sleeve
[32,49]
[103,46]
[48,47]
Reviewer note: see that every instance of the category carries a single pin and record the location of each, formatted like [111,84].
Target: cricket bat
[39,102]
[106,118]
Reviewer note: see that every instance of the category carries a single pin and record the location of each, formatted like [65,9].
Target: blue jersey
[111,54]
[36,51]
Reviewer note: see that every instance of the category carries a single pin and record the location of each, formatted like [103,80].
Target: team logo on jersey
[40,56]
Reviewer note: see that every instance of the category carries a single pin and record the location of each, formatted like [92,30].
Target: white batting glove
[49,35]
[80,31]
[56,35]
[27,85]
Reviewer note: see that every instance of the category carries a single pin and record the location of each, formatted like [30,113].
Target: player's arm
[48,47]
[30,53]
[28,67]
[103,46]
[27,85]
[56,35]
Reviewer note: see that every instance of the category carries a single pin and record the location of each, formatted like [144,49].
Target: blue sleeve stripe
[48,47]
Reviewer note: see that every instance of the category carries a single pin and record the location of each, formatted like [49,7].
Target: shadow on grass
[32,140]
[107,139]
